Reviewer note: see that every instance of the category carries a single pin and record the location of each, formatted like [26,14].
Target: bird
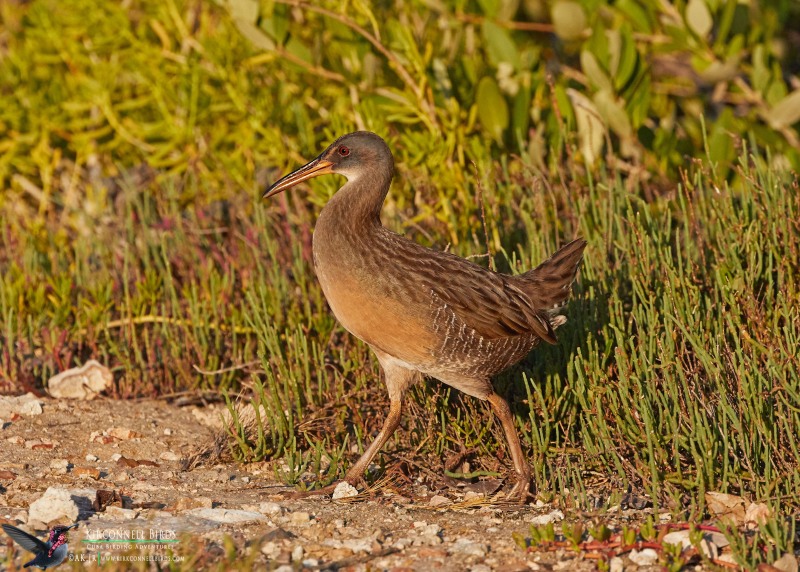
[423,312]
[47,554]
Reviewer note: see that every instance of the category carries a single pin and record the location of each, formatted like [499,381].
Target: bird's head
[60,529]
[351,155]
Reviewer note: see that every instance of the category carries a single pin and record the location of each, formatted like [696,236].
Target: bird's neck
[355,209]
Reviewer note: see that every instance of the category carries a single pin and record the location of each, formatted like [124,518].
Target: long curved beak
[313,169]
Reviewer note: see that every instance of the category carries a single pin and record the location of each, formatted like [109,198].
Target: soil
[138,450]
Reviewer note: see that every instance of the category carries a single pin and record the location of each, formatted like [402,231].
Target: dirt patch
[136,448]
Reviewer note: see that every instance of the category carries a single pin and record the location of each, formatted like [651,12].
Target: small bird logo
[48,554]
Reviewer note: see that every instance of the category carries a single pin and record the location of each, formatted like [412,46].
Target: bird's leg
[356,473]
[355,476]
[398,379]
[521,490]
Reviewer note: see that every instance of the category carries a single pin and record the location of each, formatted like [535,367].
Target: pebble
[271,550]
[270,508]
[27,404]
[60,466]
[84,382]
[55,504]
[225,516]
[681,538]
[86,472]
[300,517]
[644,557]
[616,565]
[297,553]
[469,548]
[60,504]
[91,458]
[121,513]
[439,500]
[35,444]
[358,544]
[541,519]
[786,563]
[344,490]
[169,456]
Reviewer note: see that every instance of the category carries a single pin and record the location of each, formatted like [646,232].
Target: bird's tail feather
[549,284]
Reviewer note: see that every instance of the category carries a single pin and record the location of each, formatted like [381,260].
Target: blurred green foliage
[633,78]
[640,83]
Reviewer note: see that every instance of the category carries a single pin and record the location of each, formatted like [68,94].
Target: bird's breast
[370,303]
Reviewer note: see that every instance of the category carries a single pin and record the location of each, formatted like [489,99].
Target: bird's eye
[344,151]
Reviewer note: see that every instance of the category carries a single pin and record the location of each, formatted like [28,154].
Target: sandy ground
[135,448]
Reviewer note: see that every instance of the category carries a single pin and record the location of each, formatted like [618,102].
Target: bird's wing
[27,541]
[487,302]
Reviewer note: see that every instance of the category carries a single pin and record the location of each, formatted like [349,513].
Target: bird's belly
[379,320]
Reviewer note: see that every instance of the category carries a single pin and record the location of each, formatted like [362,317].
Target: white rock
[439,500]
[480,568]
[469,548]
[428,540]
[225,516]
[91,458]
[270,550]
[59,466]
[681,538]
[756,514]
[358,544]
[84,382]
[540,519]
[270,508]
[27,404]
[59,504]
[426,529]
[121,513]
[718,538]
[344,490]
[284,568]
[709,549]
[297,553]
[644,557]
[169,456]
[616,565]
[310,563]
[786,563]
[300,517]
[472,495]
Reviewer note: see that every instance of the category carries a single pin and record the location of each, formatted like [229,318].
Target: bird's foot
[521,493]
